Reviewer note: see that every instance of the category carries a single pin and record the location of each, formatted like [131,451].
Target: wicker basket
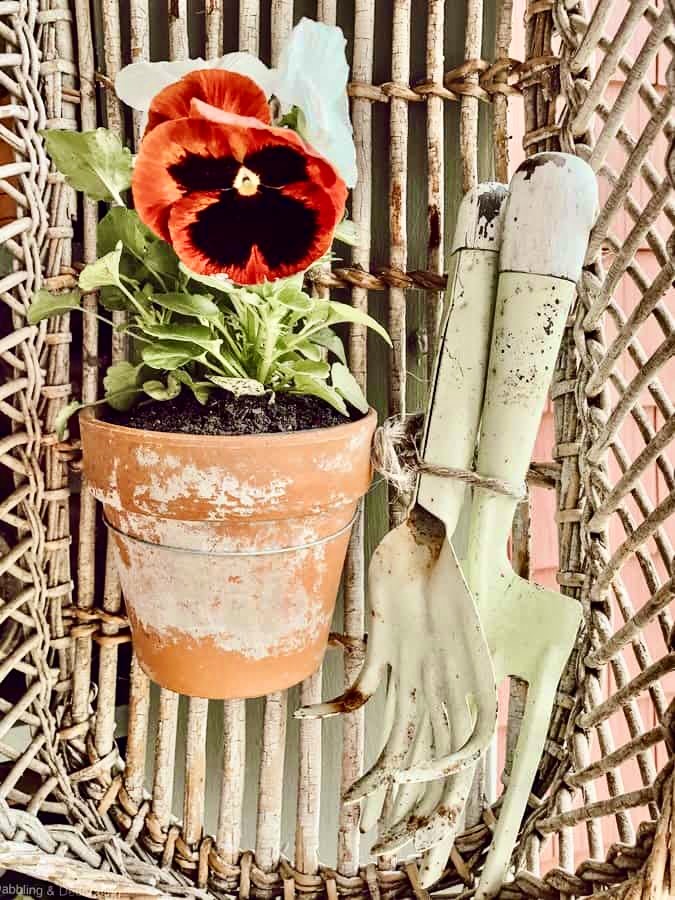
[73,807]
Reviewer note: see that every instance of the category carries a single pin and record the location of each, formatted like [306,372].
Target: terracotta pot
[230,549]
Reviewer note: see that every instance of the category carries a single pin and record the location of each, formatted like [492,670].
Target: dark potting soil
[227,414]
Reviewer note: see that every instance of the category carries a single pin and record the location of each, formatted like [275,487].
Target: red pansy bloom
[231,193]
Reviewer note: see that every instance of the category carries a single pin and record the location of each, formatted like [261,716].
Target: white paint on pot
[240,536]
[246,604]
[222,488]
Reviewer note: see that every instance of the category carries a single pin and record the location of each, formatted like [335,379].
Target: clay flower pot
[230,549]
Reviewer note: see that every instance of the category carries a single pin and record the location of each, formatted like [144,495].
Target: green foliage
[197,332]
[45,305]
[92,161]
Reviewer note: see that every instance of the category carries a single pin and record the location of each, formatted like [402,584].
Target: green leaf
[122,385]
[122,224]
[44,305]
[178,331]
[328,339]
[198,305]
[170,354]
[102,273]
[112,298]
[144,256]
[161,258]
[295,299]
[238,386]
[347,233]
[343,312]
[305,384]
[91,161]
[318,369]
[216,282]
[63,415]
[347,386]
[310,350]
[201,389]
[160,391]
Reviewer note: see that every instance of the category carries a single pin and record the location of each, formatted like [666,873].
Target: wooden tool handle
[552,205]
[459,380]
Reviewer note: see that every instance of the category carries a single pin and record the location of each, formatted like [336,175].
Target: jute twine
[396,457]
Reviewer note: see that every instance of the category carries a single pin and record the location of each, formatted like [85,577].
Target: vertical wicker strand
[139,707]
[195,770]
[282,24]
[308,810]
[354,586]
[234,711]
[228,835]
[398,165]
[468,135]
[139,684]
[165,758]
[112,594]
[327,11]
[500,100]
[87,533]
[214,28]
[436,173]
[179,47]
[270,787]
[249,25]
[140,46]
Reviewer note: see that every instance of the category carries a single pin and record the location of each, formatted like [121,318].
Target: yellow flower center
[247,182]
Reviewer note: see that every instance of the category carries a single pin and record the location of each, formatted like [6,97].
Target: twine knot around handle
[396,457]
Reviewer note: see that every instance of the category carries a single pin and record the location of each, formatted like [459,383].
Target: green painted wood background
[378,360]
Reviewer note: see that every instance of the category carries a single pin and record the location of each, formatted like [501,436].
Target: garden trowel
[530,631]
[424,625]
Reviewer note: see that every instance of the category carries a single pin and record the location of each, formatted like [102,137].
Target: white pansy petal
[249,65]
[139,82]
[315,51]
[312,75]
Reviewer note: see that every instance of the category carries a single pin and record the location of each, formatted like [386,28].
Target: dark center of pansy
[282,228]
[274,166]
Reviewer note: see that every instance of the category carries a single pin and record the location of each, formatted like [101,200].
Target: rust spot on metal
[352,700]
[427,531]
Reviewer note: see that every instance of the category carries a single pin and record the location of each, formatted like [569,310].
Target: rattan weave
[74,811]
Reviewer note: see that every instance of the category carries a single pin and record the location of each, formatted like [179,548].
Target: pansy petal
[249,65]
[137,84]
[228,91]
[201,110]
[156,184]
[312,75]
[254,239]
[185,188]
[314,51]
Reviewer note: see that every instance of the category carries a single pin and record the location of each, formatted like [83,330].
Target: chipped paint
[225,491]
[247,605]
[225,598]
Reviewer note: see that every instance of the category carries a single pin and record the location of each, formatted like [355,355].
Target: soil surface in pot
[227,414]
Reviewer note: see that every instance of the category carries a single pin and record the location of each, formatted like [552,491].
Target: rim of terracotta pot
[317,435]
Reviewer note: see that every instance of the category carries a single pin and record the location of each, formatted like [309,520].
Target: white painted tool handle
[552,206]
[457,391]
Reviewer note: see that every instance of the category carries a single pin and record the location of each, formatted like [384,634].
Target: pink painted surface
[544,532]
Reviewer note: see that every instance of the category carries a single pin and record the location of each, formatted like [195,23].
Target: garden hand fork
[530,631]
[424,624]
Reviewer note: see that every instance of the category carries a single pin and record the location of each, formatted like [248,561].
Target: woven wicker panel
[93,820]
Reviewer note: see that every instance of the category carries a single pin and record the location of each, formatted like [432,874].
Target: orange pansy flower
[230,192]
